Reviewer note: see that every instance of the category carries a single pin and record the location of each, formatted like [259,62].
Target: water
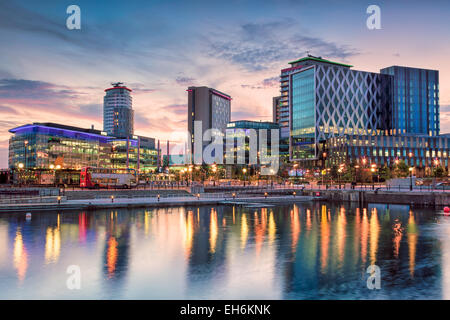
[303,251]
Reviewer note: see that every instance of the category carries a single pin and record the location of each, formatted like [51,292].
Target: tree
[385,173]
[439,172]
[401,170]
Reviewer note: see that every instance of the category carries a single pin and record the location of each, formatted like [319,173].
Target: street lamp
[25,143]
[410,178]
[214,170]
[244,171]
[436,164]
[364,161]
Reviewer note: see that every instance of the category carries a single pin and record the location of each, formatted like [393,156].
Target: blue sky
[158,48]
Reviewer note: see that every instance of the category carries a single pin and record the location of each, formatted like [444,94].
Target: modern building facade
[211,107]
[328,99]
[415,100]
[50,146]
[329,103]
[118,114]
[420,151]
[240,131]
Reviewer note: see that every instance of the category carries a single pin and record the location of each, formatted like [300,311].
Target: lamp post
[410,178]
[436,163]
[25,143]
[244,171]
[214,170]
[372,169]
[355,177]
[20,166]
[339,177]
[57,167]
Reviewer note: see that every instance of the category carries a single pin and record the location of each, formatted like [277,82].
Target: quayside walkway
[104,203]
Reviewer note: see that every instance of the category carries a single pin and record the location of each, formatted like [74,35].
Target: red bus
[96,178]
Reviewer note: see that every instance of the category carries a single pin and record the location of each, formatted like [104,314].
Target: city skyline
[51,74]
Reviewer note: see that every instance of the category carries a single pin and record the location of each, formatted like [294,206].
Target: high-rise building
[338,115]
[211,107]
[415,100]
[118,114]
[328,99]
[276,112]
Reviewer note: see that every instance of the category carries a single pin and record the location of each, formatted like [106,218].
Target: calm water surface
[303,251]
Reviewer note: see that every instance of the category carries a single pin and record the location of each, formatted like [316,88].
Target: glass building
[50,146]
[328,99]
[334,111]
[420,151]
[415,103]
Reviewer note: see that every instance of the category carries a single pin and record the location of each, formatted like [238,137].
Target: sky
[49,73]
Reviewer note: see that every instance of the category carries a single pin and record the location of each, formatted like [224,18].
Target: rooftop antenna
[116,84]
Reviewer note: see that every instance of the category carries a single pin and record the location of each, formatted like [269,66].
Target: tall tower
[210,106]
[118,114]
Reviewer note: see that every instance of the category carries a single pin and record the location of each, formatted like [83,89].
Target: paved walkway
[150,202]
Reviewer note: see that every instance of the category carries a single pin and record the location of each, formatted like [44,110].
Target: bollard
[294,193]
[59,199]
[112,199]
[158,197]
[198,196]
[265,195]
[234,195]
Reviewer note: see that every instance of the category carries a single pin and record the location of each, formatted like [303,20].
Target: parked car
[443,185]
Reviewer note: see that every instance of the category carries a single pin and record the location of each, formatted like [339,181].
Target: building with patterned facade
[329,102]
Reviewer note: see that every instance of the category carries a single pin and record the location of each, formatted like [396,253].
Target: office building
[41,147]
[420,151]
[328,99]
[338,115]
[240,131]
[211,107]
[415,100]
[118,114]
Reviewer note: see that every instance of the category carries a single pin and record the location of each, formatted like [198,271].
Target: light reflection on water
[302,251]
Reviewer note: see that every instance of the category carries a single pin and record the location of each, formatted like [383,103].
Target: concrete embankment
[93,204]
[417,198]
[133,193]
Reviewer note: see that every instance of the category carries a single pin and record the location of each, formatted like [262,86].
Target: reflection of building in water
[206,242]
[412,242]
[374,233]
[20,256]
[341,235]
[445,259]
[117,247]
[53,242]
[4,245]
[324,238]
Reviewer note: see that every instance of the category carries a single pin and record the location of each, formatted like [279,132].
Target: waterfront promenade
[38,199]
[105,203]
